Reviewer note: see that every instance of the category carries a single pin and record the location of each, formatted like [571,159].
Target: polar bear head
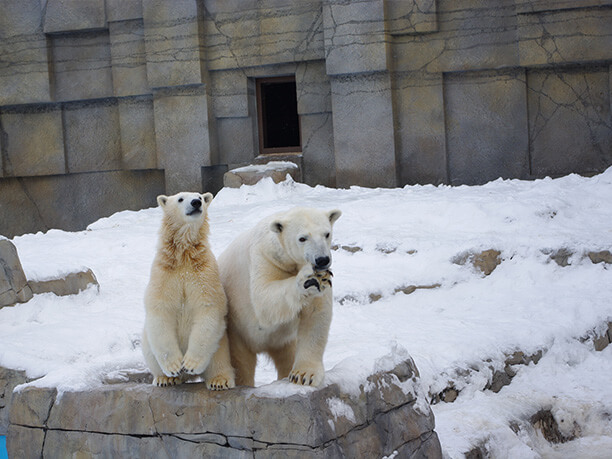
[185,208]
[305,235]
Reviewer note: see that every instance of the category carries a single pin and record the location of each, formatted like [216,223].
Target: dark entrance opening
[279,122]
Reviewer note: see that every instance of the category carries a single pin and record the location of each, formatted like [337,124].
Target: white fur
[263,272]
[185,304]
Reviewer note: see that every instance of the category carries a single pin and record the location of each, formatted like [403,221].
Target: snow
[456,333]
[270,166]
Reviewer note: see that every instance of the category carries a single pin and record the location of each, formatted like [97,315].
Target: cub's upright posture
[278,284]
[185,304]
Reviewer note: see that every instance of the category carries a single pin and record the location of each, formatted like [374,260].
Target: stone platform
[139,420]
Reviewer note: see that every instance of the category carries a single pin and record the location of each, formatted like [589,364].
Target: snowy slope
[387,239]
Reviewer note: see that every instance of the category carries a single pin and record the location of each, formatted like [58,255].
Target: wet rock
[485,261]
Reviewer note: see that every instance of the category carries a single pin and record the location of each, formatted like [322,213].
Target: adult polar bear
[278,285]
[185,305]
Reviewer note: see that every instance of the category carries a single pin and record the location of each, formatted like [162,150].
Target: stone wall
[105,103]
[140,420]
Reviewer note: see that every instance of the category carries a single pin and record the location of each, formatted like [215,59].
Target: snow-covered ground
[455,332]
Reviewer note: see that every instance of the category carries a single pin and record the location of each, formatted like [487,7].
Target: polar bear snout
[196,205]
[322,263]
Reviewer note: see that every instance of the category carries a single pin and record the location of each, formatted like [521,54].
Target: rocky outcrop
[140,420]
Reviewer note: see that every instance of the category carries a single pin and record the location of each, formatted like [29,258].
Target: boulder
[250,175]
[69,284]
[14,286]
[278,420]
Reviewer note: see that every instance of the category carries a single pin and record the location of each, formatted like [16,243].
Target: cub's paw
[220,382]
[307,376]
[172,367]
[193,366]
[165,381]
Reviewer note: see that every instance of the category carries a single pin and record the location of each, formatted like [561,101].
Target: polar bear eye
[303,239]
[327,236]
[180,199]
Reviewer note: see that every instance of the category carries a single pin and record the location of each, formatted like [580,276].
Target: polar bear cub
[278,284]
[185,305]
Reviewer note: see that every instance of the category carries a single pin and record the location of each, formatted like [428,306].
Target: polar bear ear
[276,226]
[207,197]
[333,215]
[162,200]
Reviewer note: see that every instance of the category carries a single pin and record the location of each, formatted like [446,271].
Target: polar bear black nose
[322,262]
[196,203]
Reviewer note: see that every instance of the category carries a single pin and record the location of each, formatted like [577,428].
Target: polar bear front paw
[172,367]
[165,381]
[221,382]
[319,279]
[307,376]
[193,366]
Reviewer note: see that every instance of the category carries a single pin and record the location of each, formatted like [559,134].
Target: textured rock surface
[69,284]
[9,379]
[14,287]
[140,420]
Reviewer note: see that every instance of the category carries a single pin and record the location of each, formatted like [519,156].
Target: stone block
[313,88]
[318,149]
[230,91]
[572,35]
[74,15]
[33,142]
[92,137]
[403,17]
[25,442]
[236,140]
[137,128]
[421,133]
[140,420]
[172,42]
[363,131]
[14,286]
[9,379]
[71,202]
[182,136]
[248,33]
[250,175]
[355,40]
[24,76]
[569,120]
[69,284]
[24,70]
[81,66]
[472,35]
[489,140]
[123,10]
[128,58]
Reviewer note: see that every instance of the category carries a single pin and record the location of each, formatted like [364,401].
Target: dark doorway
[279,122]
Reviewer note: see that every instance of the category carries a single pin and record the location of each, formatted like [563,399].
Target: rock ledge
[139,420]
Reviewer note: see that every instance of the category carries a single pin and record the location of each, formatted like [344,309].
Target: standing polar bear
[278,284]
[185,305]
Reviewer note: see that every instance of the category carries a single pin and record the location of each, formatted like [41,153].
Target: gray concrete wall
[108,103]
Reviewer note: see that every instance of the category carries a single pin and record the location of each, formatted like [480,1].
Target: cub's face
[306,235]
[185,207]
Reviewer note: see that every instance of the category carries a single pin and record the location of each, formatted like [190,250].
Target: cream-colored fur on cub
[278,284]
[185,305]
